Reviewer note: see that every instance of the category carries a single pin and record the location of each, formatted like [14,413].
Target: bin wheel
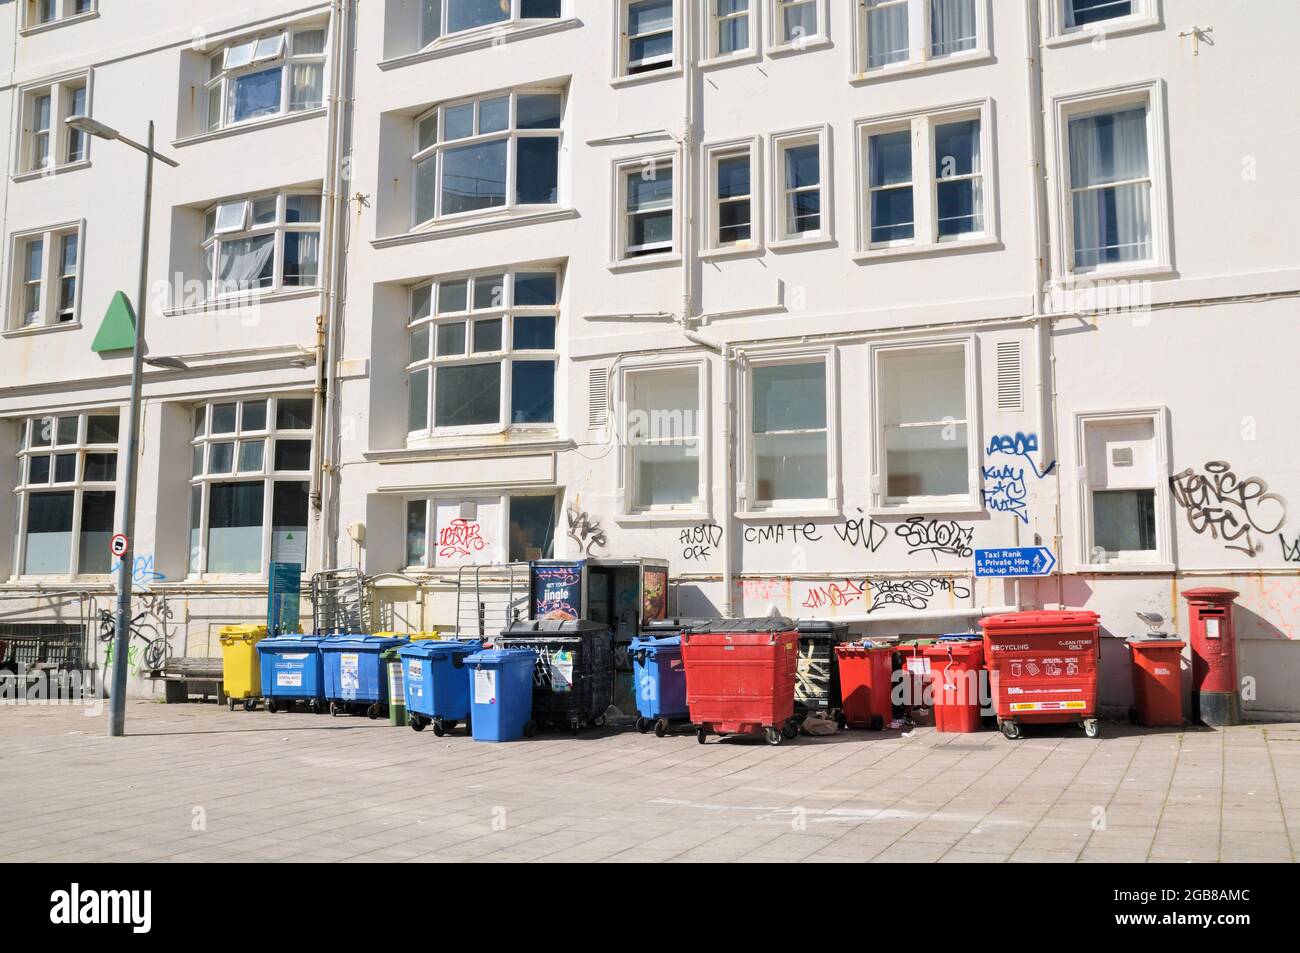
[230,703]
[250,704]
[469,725]
[1011,730]
[598,721]
[416,722]
[1091,727]
[315,707]
[451,724]
[530,729]
[701,735]
[790,729]
[840,721]
[1132,715]
[773,735]
[374,711]
[272,706]
[661,728]
[439,727]
[642,726]
[877,723]
[335,709]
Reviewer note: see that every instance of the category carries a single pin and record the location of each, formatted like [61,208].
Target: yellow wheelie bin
[241,670]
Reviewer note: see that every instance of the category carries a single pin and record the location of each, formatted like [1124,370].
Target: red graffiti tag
[460,537]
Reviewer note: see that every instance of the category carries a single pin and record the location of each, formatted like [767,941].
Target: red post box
[1215,698]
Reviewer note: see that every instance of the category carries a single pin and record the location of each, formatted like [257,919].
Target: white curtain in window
[305,86]
[244,262]
[886,32]
[952,26]
[1110,223]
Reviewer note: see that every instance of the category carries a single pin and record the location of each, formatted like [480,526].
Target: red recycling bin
[740,677]
[955,669]
[1043,668]
[915,682]
[866,683]
[1157,681]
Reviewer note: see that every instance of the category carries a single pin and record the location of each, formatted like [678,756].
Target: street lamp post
[121,633]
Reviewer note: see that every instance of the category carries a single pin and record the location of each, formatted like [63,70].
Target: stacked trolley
[740,677]
[573,681]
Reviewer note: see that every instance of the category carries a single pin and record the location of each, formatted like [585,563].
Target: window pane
[266,210]
[43,431]
[38,471]
[535,289]
[421,302]
[952,26]
[293,413]
[49,533]
[458,122]
[289,522]
[96,533]
[453,296]
[494,115]
[474,177]
[1124,520]
[789,397]
[251,453]
[100,468]
[231,217]
[1111,147]
[293,455]
[417,521]
[487,336]
[417,416]
[534,333]
[926,386]
[467,395]
[65,468]
[532,527]
[301,258]
[892,215]
[539,9]
[733,177]
[648,16]
[1083,12]
[539,111]
[957,148]
[802,166]
[891,158]
[927,461]
[790,466]
[799,21]
[102,429]
[67,432]
[887,34]
[650,189]
[733,222]
[221,458]
[255,94]
[235,527]
[451,339]
[538,174]
[223,418]
[419,345]
[430,21]
[666,474]
[241,54]
[254,415]
[489,292]
[532,390]
[468,14]
[308,42]
[1112,225]
[426,132]
[196,460]
[306,86]
[247,263]
[960,207]
[194,562]
[426,189]
[302,208]
[651,232]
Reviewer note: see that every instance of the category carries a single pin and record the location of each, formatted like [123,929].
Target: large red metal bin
[1043,668]
[740,677]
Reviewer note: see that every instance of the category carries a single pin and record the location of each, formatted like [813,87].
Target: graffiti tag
[1228,507]
[1007,492]
[1019,445]
[1290,551]
[460,537]
[585,531]
[947,537]
[699,542]
[866,533]
[914,593]
[837,595]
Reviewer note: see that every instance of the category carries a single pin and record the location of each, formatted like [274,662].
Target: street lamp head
[92,127]
[171,363]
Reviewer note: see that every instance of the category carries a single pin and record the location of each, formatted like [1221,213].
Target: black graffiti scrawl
[1240,511]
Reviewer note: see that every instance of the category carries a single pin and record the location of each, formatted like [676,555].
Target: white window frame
[513,20]
[709,24]
[57,135]
[1163,558]
[1117,99]
[65,12]
[714,152]
[220,78]
[779,237]
[620,250]
[511,135]
[925,180]
[750,505]
[920,54]
[501,546]
[268,476]
[24,490]
[506,313]
[629,512]
[1146,15]
[210,247]
[51,277]
[778,45]
[622,48]
[880,502]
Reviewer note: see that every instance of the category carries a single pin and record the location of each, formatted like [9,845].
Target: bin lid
[823,627]
[652,644]
[427,649]
[763,624]
[291,641]
[526,627]
[1043,619]
[1153,639]
[942,649]
[961,637]
[364,643]
[678,624]
[501,657]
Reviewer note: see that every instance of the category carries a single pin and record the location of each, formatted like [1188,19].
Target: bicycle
[157,649]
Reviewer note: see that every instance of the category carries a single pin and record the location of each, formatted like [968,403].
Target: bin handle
[458,661]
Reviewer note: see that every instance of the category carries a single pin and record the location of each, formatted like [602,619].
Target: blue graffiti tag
[1007,492]
[142,571]
[1019,445]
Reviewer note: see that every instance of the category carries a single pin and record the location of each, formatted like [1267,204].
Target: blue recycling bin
[660,679]
[291,671]
[500,684]
[436,683]
[356,678]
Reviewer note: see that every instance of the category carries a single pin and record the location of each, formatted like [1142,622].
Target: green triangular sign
[117,332]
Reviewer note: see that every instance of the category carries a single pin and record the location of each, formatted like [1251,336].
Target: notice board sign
[283,598]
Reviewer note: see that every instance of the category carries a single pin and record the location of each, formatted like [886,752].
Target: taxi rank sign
[1014,562]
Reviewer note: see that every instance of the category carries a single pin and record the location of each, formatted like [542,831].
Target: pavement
[198,783]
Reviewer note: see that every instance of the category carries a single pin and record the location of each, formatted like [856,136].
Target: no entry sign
[119,545]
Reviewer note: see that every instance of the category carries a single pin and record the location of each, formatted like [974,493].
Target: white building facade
[810,298]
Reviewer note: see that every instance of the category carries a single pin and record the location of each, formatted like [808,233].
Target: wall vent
[598,398]
[1011,394]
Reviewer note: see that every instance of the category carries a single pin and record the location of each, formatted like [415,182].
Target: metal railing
[489,598]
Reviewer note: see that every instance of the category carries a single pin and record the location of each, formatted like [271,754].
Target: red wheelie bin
[866,684]
[1043,668]
[1157,681]
[955,666]
[740,677]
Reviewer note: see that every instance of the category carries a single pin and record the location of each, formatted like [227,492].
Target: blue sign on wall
[1015,562]
[283,598]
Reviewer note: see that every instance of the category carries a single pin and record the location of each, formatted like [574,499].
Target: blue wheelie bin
[291,672]
[356,678]
[500,685]
[660,680]
[437,686]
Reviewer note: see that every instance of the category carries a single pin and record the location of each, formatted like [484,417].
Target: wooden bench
[187,677]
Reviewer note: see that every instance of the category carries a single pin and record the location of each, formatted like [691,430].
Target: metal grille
[1010,387]
[41,645]
[489,598]
[340,603]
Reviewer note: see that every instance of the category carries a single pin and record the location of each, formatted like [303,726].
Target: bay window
[270,75]
[446,18]
[496,151]
[250,478]
[661,439]
[483,352]
[67,481]
[262,243]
